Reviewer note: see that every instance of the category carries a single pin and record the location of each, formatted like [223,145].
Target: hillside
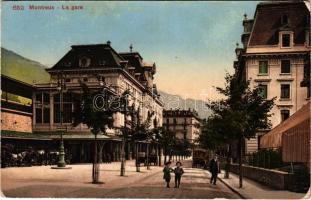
[176,101]
[24,69]
[21,68]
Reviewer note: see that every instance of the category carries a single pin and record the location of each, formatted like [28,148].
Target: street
[42,181]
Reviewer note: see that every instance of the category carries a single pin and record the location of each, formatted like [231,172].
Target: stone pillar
[115,152]
[33,109]
[111,151]
[118,152]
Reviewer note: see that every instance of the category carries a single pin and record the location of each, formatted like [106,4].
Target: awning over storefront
[273,139]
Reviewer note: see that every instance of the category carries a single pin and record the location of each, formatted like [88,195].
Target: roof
[17,87]
[273,138]
[180,113]
[267,22]
[101,55]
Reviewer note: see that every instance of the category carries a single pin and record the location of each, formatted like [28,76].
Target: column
[51,110]
[33,109]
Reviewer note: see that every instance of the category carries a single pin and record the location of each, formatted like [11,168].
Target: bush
[266,158]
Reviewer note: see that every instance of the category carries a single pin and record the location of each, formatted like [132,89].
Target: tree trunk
[122,171]
[147,156]
[164,153]
[137,163]
[160,156]
[95,174]
[240,163]
[227,166]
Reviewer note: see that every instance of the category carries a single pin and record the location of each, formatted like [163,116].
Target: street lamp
[61,86]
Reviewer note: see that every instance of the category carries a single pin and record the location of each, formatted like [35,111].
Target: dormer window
[286,40]
[84,62]
[284,20]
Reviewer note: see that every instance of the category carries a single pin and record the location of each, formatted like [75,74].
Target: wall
[274,79]
[16,122]
[273,178]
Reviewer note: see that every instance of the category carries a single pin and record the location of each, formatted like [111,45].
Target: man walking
[214,169]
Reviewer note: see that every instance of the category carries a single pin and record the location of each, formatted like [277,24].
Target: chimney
[108,42]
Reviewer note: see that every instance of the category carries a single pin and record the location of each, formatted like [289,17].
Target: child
[178,172]
[167,173]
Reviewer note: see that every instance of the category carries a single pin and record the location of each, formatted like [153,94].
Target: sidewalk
[254,190]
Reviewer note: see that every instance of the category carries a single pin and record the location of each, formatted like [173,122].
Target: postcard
[155,100]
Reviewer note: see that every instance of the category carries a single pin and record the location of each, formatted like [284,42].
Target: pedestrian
[214,169]
[167,173]
[178,173]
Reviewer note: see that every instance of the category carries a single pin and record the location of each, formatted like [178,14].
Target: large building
[94,65]
[185,124]
[276,57]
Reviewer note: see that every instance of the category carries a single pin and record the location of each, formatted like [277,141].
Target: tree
[98,120]
[126,133]
[239,116]
[165,139]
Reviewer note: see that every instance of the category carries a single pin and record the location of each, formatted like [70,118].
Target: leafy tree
[239,116]
[165,139]
[97,120]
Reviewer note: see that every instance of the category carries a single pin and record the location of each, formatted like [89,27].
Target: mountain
[26,70]
[21,68]
[177,102]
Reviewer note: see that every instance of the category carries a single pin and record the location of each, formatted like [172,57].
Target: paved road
[148,184]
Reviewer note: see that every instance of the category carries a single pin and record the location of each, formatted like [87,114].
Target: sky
[192,43]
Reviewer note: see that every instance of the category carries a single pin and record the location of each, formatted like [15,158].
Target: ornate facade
[95,65]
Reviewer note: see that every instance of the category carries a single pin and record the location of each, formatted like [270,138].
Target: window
[167,121]
[39,115]
[174,121]
[285,66]
[46,114]
[263,91]
[84,62]
[284,114]
[284,20]
[67,108]
[263,67]
[285,40]
[285,91]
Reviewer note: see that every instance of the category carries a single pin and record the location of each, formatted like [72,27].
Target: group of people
[178,171]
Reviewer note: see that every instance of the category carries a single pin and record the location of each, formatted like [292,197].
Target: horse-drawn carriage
[11,157]
[200,158]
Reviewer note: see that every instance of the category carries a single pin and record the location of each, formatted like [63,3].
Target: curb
[232,189]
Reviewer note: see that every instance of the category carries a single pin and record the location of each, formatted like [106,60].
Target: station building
[39,123]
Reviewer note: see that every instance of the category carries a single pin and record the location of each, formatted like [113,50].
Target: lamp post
[61,87]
